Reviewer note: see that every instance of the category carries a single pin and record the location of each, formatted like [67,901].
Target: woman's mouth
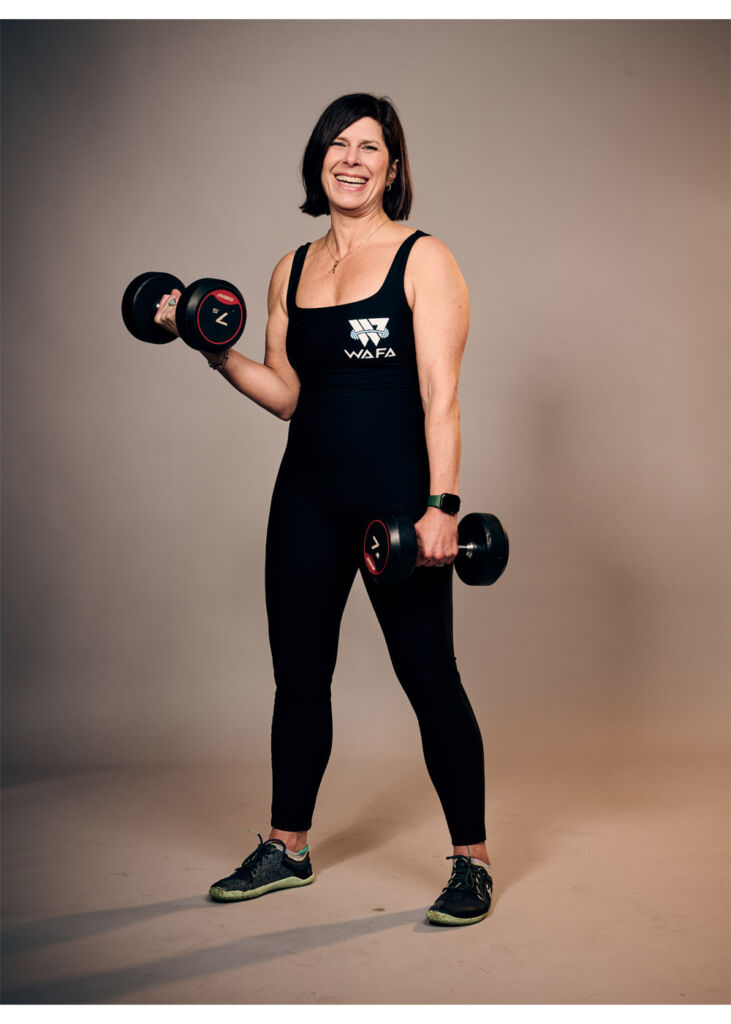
[351,182]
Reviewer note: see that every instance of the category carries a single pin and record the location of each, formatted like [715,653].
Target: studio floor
[611,886]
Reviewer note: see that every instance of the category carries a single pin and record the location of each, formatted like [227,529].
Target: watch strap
[438,501]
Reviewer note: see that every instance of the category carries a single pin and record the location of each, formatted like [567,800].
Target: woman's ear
[393,171]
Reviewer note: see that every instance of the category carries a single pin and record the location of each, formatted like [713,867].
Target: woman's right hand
[165,315]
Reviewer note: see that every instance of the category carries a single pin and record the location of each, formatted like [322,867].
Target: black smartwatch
[448,503]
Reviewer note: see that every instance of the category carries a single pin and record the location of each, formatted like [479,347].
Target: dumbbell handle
[469,548]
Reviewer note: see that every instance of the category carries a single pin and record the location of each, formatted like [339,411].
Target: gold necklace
[337,261]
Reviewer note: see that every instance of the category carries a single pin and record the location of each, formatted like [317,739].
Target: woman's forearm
[441,425]
[260,383]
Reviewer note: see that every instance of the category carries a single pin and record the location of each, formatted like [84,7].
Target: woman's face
[356,167]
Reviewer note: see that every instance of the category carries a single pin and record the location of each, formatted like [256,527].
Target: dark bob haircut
[341,113]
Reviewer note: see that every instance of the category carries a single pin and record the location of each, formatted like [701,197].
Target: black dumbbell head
[211,315]
[140,302]
[486,561]
[389,548]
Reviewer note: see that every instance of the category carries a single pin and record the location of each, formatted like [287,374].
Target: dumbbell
[210,314]
[390,549]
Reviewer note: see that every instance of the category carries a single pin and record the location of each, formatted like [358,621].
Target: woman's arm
[273,384]
[441,321]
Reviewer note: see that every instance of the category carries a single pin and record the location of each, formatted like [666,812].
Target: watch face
[450,504]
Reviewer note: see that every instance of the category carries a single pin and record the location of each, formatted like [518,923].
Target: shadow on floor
[109,986]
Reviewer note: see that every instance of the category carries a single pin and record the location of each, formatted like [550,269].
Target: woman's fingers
[165,314]
[433,556]
[433,553]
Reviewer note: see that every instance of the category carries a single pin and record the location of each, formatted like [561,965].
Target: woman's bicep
[441,318]
[275,355]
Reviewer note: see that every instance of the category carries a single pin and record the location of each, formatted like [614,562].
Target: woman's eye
[339,142]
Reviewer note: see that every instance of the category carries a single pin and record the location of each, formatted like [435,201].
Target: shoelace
[256,854]
[464,878]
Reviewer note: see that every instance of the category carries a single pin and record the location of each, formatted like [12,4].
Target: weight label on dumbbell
[219,317]
[376,548]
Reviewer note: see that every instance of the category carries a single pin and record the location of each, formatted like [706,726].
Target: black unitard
[356,446]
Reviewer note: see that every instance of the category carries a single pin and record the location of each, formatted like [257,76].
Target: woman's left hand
[436,535]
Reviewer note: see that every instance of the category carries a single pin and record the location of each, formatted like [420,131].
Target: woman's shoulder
[285,262]
[431,254]
[428,242]
[284,265]
[432,270]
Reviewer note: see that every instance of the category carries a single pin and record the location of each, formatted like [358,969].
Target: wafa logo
[372,330]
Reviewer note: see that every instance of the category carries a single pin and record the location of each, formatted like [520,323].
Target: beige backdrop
[579,173]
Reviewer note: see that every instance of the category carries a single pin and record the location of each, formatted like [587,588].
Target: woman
[369,386]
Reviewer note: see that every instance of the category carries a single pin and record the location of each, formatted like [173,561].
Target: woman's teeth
[348,180]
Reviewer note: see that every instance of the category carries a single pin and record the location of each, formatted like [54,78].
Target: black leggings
[312,557]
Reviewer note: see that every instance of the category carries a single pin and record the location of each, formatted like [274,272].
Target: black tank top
[375,333]
[357,434]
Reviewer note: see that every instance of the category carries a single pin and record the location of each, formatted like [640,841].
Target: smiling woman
[369,386]
[338,128]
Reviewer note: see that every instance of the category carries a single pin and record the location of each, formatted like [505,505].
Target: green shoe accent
[439,917]
[235,896]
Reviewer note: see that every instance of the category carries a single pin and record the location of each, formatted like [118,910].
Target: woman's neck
[348,231]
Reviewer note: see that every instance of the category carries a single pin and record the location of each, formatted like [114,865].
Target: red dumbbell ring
[211,315]
[368,558]
[217,298]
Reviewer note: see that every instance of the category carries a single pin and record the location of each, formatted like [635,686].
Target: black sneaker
[466,897]
[267,868]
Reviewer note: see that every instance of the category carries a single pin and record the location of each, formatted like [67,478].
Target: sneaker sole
[439,917]
[235,896]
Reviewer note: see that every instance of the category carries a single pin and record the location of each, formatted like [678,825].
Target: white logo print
[374,329]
